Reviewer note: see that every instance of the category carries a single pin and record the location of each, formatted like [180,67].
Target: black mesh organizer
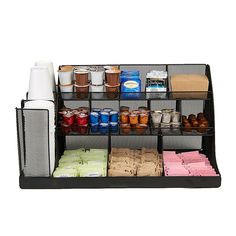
[35,160]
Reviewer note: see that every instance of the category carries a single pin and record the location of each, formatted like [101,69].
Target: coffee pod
[104,117]
[143,118]
[82,119]
[175,116]
[81,77]
[126,128]
[124,117]
[94,117]
[66,88]
[50,67]
[156,117]
[96,88]
[81,88]
[113,77]
[112,91]
[133,119]
[68,118]
[97,77]
[141,128]
[104,128]
[113,116]
[175,124]
[65,77]
[40,87]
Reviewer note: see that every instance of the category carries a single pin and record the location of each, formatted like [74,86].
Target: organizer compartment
[158,138]
[33,142]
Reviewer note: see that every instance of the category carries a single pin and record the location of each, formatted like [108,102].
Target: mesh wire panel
[135,142]
[191,142]
[20,138]
[192,107]
[36,142]
[159,105]
[105,104]
[76,104]
[186,69]
[86,142]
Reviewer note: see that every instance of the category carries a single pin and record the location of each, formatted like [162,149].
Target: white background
[80,32]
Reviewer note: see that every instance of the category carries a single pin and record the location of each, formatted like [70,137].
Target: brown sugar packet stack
[149,157]
[125,159]
[146,171]
[130,162]
[120,150]
[119,173]
[121,166]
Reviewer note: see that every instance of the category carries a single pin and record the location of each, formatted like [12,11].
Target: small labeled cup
[133,119]
[65,77]
[124,117]
[97,77]
[66,88]
[141,128]
[125,128]
[143,118]
[96,88]
[82,119]
[113,77]
[82,91]
[81,77]
[104,116]
[156,117]
[68,118]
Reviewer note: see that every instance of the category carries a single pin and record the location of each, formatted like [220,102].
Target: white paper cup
[65,77]
[40,84]
[66,88]
[97,77]
[50,67]
[96,88]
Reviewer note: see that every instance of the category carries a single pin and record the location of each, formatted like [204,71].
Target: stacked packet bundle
[82,163]
[127,162]
[187,164]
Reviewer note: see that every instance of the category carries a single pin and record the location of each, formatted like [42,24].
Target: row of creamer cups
[79,77]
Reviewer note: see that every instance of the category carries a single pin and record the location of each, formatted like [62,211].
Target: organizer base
[120,182]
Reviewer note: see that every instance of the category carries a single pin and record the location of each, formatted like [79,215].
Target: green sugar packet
[61,172]
[70,159]
[102,151]
[69,165]
[93,169]
[90,172]
[93,157]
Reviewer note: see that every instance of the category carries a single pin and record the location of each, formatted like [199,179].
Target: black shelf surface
[89,131]
[101,96]
[121,182]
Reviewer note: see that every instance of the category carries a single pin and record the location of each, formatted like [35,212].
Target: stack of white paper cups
[40,87]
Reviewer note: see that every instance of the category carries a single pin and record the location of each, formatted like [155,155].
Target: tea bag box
[160,139]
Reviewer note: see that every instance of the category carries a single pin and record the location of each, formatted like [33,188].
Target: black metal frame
[208,145]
